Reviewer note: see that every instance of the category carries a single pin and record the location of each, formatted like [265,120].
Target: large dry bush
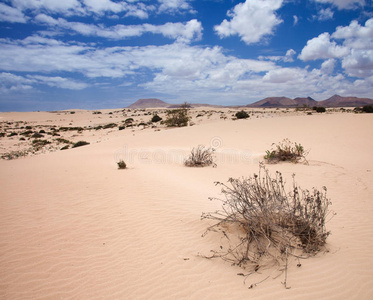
[262,224]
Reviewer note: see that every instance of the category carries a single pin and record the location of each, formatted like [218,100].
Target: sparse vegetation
[79,144]
[242,115]
[121,164]
[367,108]
[200,157]
[286,151]
[319,109]
[177,117]
[262,224]
[156,118]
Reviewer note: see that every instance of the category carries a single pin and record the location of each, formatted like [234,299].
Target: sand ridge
[73,226]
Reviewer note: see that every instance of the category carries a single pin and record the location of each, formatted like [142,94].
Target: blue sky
[91,54]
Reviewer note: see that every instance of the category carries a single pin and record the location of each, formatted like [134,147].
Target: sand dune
[73,226]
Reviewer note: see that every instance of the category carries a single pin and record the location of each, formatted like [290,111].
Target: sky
[95,54]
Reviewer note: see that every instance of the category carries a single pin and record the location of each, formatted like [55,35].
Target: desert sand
[74,226]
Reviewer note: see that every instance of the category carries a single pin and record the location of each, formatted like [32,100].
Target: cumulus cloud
[251,20]
[344,4]
[325,14]
[183,32]
[327,67]
[175,6]
[322,47]
[11,14]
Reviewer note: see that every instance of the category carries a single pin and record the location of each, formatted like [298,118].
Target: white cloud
[99,6]
[61,6]
[175,6]
[325,14]
[11,14]
[288,57]
[327,67]
[359,63]
[344,4]
[355,30]
[296,20]
[251,20]
[59,82]
[10,83]
[321,47]
[183,32]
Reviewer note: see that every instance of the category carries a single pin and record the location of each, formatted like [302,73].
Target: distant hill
[334,101]
[274,102]
[339,101]
[148,103]
[306,101]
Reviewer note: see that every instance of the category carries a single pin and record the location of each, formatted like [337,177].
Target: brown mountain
[305,102]
[148,103]
[274,102]
[339,101]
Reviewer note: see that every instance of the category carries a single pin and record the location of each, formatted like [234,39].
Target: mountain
[148,103]
[339,101]
[274,102]
[305,102]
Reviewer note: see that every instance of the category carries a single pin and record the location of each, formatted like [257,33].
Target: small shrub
[128,120]
[37,135]
[12,134]
[79,144]
[65,147]
[121,127]
[242,115]
[200,157]
[177,117]
[62,140]
[285,151]
[263,225]
[110,125]
[156,118]
[368,108]
[121,164]
[319,109]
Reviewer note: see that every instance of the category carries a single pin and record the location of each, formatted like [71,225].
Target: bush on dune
[263,225]
[286,151]
[200,157]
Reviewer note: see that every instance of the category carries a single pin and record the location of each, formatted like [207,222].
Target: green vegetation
[368,108]
[156,118]
[79,144]
[177,117]
[319,109]
[242,115]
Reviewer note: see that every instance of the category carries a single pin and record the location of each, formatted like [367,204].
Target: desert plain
[74,226]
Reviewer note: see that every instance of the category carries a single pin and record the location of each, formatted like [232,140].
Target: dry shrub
[262,224]
[286,151]
[200,157]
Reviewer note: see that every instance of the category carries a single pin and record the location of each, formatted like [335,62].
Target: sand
[73,226]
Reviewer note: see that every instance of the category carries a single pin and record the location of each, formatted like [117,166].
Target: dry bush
[286,151]
[262,224]
[200,157]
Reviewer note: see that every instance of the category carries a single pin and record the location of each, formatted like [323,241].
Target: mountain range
[274,102]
